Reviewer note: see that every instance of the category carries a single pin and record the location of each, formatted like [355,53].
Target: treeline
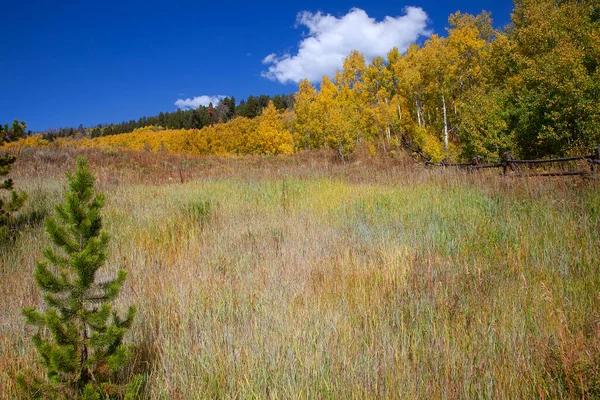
[269,133]
[224,111]
[532,89]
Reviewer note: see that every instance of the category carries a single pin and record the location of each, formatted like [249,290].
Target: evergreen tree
[230,103]
[84,351]
[14,202]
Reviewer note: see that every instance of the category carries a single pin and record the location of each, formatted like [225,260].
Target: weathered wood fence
[510,164]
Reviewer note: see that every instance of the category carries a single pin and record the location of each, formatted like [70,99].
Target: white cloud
[198,101]
[330,40]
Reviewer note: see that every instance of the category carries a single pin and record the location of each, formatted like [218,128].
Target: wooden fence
[509,164]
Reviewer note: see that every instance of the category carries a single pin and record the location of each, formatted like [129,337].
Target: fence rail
[510,164]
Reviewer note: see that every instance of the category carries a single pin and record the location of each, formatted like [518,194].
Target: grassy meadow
[299,277]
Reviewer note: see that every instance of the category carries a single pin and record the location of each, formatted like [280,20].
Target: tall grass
[354,281]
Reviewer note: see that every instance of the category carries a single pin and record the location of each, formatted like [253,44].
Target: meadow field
[300,277]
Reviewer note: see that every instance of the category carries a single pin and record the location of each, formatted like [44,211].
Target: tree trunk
[445,125]
[84,376]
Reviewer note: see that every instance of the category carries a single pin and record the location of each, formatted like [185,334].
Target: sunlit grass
[317,287]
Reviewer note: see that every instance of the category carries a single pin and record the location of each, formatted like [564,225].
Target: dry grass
[297,277]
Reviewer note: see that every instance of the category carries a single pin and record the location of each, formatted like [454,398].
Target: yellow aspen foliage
[429,144]
[271,136]
[379,85]
[342,115]
[266,134]
[306,121]
[353,72]
[28,141]
[352,88]
[325,105]
[467,41]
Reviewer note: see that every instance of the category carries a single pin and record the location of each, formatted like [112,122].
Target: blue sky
[63,63]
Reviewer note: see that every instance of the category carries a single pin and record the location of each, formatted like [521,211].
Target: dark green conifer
[80,342]
[15,200]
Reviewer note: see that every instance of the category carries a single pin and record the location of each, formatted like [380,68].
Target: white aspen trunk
[418,113]
[387,121]
[445,125]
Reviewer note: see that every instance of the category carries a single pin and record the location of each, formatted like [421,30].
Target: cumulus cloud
[198,101]
[331,39]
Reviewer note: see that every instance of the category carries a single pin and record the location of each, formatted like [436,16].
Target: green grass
[312,286]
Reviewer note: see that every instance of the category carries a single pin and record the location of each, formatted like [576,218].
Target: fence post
[596,158]
[444,161]
[506,157]
[474,164]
